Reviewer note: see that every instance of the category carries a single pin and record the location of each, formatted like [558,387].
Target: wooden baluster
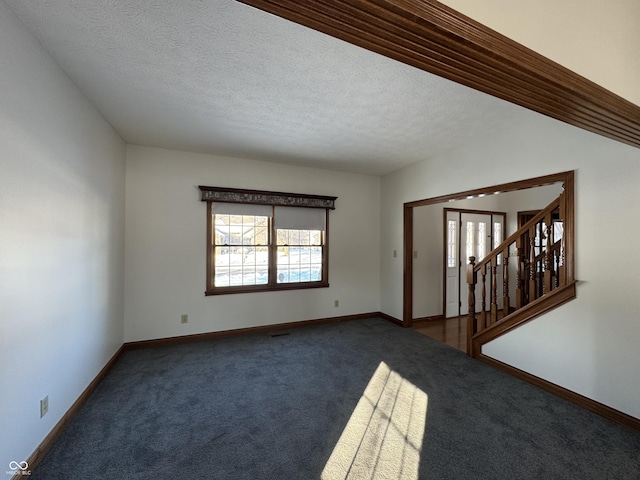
[494,290]
[563,274]
[555,258]
[557,270]
[532,268]
[519,275]
[505,283]
[483,314]
[563,215]
[471,320]
[548,267]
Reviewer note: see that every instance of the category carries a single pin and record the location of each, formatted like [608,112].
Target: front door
[475,240]
[469,233]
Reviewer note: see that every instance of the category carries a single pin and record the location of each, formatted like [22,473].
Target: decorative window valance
[259,197]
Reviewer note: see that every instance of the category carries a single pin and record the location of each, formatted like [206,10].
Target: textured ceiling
[217,76]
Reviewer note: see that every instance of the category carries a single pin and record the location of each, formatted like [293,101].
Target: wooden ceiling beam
[433,37]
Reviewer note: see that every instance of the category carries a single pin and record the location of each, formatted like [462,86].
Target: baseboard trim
[42,449]
[199,337]
[389,318]
[573,397]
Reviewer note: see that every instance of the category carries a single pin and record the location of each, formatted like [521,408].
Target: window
[470,240]
[482,241]
[240,244]
[299,255]
[497,234]
[497,239]
[452,244]
[259,241]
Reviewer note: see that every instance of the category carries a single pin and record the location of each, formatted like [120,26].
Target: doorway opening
[467,233]
[430,292]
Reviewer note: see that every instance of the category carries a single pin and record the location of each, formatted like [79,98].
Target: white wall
[598,40]
[61,241]
[165,244]
[590,344]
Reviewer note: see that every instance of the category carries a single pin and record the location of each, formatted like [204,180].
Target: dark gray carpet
[263,407]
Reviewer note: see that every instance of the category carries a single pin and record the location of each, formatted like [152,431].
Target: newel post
[471,322]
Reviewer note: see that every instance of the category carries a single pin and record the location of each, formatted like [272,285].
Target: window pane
[235,276]
[249,258]
[262,256]
[221,229]
[262,275]
[283,237]
[305,255]
[304,274]
[261,237]
[316,273]
[316,255]
[236,262]
[315,237]
[283,255]
[497,238]
[248,275]
[299,256]
[221,277]
[497,234]
[470,240]
[283,275]
[221,256]
[482,240]
[304,237]
[451,243]
[294,237]
[235,234]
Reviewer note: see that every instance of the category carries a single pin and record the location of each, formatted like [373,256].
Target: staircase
[527,275]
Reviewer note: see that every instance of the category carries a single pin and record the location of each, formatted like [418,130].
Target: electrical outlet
[336,303]
[415,254]
[44,406]
[395,253]
[184,318]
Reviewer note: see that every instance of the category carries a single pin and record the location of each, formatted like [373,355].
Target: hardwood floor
[451,331]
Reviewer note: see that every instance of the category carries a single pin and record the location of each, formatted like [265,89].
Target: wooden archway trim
[435,38]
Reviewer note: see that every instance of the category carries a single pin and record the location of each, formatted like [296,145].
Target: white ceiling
[217,76]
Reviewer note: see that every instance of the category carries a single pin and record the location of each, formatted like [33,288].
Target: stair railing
[535,254]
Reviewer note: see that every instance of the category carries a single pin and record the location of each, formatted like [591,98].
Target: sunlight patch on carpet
[383,437]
